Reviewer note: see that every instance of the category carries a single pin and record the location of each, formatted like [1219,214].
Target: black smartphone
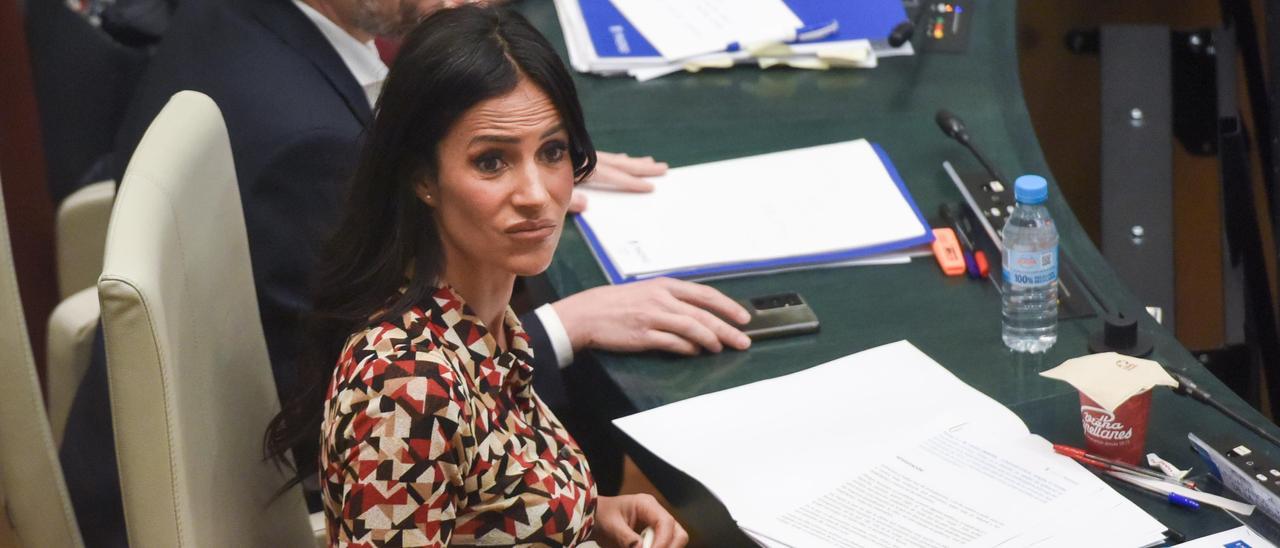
[780,315]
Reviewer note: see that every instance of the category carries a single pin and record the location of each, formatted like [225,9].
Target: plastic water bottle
[1030,270]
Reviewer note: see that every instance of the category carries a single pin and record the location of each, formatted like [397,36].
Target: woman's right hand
[620,519]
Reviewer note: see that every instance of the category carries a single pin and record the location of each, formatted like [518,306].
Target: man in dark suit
[295,114]
[295,83]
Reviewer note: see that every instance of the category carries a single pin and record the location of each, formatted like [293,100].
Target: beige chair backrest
[68,351]
[81,229]
[191,385]
[31,485]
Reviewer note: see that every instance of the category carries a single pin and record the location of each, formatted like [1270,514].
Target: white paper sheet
[822,199]
[965,485]
[679,29]
[884,444]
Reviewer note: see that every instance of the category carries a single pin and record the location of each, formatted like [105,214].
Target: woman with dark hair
[431,431]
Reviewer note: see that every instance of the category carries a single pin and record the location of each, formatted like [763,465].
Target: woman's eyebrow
[494,138]
[554,130]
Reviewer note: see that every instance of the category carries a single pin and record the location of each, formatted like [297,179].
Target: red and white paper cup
[1119,435]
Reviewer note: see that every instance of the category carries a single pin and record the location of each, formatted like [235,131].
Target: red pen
[984,268]
[1113,465]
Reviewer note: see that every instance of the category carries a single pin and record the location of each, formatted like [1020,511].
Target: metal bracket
[1137,160]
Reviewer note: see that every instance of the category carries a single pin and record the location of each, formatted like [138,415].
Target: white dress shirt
[362,59]
[560,343]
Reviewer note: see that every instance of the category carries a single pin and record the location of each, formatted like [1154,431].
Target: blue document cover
[612,36]
[785,263]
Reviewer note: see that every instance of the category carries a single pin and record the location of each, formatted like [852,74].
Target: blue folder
[771,265]
[612,36]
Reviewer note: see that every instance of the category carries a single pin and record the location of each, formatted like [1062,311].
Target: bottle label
[1031,268]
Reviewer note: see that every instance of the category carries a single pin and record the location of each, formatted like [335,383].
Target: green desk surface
[694,118]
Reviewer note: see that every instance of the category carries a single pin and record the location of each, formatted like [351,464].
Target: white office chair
[68,346]
[81,231]
[32,491]
[191,385]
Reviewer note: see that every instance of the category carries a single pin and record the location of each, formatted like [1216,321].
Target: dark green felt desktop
[693,118]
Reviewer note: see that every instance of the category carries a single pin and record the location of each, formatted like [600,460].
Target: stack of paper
[650,38]
[885,448]
[817,206]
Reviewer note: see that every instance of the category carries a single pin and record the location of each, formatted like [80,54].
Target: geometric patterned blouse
[431,437]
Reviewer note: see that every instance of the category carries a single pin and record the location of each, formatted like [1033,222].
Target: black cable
[986,163]
[1186,387]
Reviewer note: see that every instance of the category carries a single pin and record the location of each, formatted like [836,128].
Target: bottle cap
[1030,189]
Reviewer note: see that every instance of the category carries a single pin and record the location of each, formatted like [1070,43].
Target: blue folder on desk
[613,37]
[805,208]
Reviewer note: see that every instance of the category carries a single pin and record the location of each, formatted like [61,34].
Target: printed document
[816,205]
[684,28]
[885,448]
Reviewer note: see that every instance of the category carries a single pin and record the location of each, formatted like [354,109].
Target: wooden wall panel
[1062,94]
[22,176]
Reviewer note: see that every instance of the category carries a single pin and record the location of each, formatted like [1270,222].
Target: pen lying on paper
[1112,465]
[1173,498]
[1201,497]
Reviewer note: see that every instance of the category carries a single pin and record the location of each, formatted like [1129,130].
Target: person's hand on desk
[619,172]
[620,519]
[658,314]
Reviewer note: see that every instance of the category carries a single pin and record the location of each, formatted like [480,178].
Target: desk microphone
[904,31]
[1120,331]
[952,126]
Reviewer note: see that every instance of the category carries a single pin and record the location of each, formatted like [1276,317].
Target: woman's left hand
[619,172]
[620,519]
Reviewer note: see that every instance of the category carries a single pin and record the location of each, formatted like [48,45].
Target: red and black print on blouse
[431,436]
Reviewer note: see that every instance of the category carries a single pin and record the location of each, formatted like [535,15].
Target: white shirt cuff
[560,343]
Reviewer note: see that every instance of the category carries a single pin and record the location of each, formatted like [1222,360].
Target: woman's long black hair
[455,59]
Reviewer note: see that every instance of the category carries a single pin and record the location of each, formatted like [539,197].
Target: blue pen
[971,265]
[811,33]
[1169,495]
[1179,500]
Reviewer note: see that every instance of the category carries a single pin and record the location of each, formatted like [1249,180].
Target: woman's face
[505,180]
